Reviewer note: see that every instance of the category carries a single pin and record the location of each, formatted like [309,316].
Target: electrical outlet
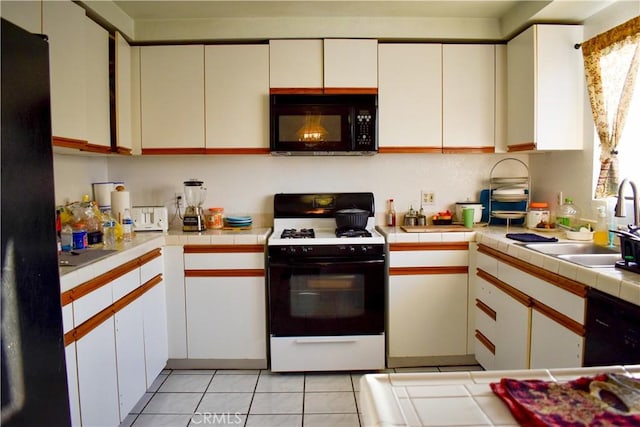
[178,200]
[428,198]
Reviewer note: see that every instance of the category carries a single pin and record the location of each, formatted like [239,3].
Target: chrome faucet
[621,211]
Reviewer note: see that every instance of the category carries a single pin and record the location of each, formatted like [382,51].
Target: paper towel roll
[120,201]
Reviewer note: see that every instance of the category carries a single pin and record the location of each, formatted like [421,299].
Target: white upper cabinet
[468,96]
[25,14]
[172,97]
[319,64]
[296,64]
[410,97]
[124,100]
[64,23]
[545,89]
[350,63]
[237,91]
[97,75]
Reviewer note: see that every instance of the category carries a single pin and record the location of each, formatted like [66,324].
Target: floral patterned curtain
[610,94]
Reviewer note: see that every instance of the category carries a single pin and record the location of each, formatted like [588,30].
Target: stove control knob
[352,249]
[292,250]
[364,249]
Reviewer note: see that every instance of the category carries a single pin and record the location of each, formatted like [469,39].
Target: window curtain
[610,92]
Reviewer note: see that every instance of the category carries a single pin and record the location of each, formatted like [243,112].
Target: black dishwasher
[612,331]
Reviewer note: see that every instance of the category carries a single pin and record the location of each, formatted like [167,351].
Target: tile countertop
[452,398]
[144,242]
[614,281]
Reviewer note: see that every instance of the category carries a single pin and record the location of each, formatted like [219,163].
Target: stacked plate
[238,221]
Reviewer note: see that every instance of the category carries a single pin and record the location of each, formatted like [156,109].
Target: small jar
[538,215]
[80,240]
[214,218]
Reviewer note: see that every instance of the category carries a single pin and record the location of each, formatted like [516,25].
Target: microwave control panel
[365,130]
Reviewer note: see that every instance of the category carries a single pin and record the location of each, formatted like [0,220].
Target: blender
[194,194]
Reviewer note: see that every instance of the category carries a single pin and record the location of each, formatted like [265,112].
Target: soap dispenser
[601,234]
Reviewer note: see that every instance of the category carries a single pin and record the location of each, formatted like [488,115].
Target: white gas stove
[326,285]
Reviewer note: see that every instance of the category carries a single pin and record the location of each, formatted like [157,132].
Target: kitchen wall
[246,184]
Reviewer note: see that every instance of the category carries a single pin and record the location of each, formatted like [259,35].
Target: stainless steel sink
[582,253]
[592,260]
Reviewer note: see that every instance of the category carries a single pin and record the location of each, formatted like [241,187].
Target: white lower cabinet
[553,345]
[428,315]
[155,331]
[98,376]
[115,330]
[226,317]
[130,353]
[525,317]
[72,384]
[512,332]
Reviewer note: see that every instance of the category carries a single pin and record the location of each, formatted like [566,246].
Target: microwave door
[319,128]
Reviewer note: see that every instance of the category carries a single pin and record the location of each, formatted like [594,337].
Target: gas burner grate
[352,232]
[292,233]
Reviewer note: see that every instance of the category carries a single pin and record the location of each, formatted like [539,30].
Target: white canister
[477,210]
[538,214]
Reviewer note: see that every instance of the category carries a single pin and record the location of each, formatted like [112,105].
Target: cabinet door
[97,75]
[64,24]
[72,383]
[124,100]
[553,345]
[512,332]
[25,14]
[172,96]
[176,313]
[155,331]
[468,96]
[545,88]
[98,376]
[427,315]
[296,64]
[350,63]
[237,92]
[130,352]
[410,95]
[226,317]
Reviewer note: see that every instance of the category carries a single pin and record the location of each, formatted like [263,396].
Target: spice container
[214,218]
[538,215]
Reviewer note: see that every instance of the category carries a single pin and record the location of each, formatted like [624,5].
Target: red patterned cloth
[602,400]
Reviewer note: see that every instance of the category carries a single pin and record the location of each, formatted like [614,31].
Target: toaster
[150,218]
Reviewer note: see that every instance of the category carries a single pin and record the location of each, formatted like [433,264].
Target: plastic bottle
[127,226]
[567,213]
[391,214]
[601,234]
[108,230]
[66,238]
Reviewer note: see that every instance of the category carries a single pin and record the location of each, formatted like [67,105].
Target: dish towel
[530,237]
[602,400]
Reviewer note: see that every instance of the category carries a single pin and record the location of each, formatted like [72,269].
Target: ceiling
[149,9]
[152,21]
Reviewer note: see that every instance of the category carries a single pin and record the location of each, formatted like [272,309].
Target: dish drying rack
[509,182]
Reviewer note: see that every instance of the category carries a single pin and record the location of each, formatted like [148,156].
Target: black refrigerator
[34,381]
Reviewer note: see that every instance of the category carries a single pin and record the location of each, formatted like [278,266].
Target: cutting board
[433,228]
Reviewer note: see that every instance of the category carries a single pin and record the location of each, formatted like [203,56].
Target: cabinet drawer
[429,258]
[484,355]
[558,299]
[485,323]
[488,264]
[151,269]
[240,261]
[67,317]
[90,304]
[125,284]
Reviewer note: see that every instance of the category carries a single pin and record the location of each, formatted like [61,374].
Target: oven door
[326,297]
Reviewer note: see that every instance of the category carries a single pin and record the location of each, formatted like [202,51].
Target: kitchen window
[611,66]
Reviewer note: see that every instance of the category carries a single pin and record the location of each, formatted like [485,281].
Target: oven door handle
[324,263]
[331,340]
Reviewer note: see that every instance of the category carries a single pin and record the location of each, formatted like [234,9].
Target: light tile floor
[188,398]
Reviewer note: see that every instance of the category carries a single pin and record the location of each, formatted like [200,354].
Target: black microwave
[310,124]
